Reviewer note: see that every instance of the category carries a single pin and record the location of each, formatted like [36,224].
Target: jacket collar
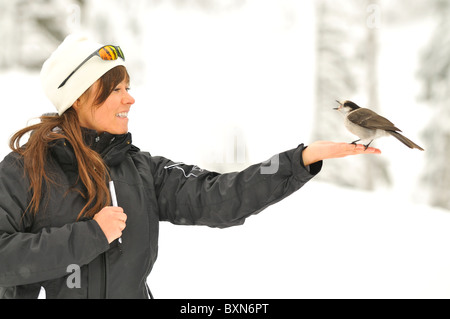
[112,148]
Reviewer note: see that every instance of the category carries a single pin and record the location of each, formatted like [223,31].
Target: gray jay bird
[368,125]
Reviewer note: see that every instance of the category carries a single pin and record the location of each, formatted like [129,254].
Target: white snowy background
[207,81]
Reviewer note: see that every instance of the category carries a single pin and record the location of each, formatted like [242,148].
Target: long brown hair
[92,171]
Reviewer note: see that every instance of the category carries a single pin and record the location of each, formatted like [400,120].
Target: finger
[360,148]
[373,150]
[123,217]
[118,214]
[349,147]
[118,209]
[369,150]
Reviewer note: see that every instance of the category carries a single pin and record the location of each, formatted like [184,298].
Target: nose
[128,99]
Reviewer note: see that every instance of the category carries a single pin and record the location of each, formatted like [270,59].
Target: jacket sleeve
[188,195]
[27,256]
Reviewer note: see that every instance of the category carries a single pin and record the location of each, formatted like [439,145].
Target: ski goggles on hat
[106,53]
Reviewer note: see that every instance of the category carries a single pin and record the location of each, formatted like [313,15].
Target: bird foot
[365,146]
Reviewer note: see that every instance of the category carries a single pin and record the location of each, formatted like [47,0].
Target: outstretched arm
[321,150]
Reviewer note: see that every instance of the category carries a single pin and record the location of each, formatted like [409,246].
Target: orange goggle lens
[110,52]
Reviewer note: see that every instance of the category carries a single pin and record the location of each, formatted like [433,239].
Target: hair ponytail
[91,169]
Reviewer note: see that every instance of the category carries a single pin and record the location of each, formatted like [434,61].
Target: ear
[83,99]
[77,104]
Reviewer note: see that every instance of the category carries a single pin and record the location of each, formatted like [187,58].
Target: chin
[117,131]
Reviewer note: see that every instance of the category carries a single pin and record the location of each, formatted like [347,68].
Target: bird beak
[339,107]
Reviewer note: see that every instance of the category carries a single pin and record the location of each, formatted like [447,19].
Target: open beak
[339,107]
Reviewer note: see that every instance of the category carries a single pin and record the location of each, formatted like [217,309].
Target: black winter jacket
[46,249]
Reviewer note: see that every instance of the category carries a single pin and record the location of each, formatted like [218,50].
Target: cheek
[99,119]
[104,112]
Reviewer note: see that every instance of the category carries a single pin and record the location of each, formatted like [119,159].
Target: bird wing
[371,120]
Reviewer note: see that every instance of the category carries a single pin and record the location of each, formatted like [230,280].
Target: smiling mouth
[122,115]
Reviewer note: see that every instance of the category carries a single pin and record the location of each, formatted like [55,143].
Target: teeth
[123,114]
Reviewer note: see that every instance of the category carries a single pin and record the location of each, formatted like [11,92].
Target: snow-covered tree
[435,76]
[30,30]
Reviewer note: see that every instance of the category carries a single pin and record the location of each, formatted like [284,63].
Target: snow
[321,242]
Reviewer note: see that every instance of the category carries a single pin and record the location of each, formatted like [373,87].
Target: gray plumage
[368,125]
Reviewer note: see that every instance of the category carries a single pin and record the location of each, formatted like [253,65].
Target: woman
[58,229]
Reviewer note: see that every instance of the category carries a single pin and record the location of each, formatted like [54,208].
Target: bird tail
[405,140]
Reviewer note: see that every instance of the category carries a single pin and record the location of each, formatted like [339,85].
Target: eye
[118,89]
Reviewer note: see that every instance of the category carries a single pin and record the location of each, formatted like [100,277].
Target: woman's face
[111,116]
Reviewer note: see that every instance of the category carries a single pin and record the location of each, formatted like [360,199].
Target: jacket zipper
[103,278]
[103,269]
[98,274]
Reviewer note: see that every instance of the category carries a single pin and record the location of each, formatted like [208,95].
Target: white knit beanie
[72,51]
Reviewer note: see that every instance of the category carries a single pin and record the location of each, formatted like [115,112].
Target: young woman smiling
[55,203]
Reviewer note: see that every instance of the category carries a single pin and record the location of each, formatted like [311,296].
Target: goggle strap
[77,68]
[117,51]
